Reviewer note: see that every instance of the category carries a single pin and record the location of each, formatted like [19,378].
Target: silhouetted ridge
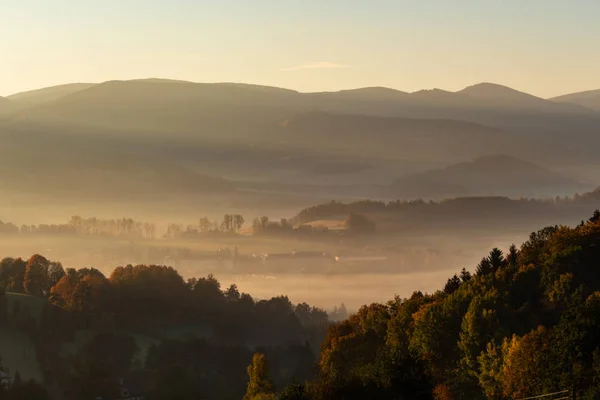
[491,175]
[49,94]
[493,90]
[589,99]
[372,93]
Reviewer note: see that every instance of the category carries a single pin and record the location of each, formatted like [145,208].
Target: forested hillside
[523,324]
[145,325]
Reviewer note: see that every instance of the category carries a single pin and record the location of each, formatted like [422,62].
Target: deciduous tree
[259,381]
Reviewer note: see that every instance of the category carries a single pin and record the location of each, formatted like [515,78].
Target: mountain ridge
[478,90]
[48,94]
[587,98]
[492,174]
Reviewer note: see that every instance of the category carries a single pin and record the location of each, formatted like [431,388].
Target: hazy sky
[545,47]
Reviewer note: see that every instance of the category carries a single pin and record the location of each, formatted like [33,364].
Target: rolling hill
[421,141]
[162,106]
[486,176]
[589,99]
[48,94]
[177,106]
[494,95]
[180,135]
[6,106]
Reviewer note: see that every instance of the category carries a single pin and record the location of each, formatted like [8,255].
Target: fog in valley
[251,200]
[168,153]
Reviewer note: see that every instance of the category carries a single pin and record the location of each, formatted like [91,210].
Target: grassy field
[331,224]
[82,337]
[34,305]
[16,348]
[18,354]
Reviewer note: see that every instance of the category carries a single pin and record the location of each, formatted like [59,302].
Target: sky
[543,47]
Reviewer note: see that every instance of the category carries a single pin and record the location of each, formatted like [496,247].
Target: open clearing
[18,354]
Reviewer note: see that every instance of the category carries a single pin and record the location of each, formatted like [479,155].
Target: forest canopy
[523,323]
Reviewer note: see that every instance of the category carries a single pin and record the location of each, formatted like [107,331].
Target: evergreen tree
[496,259]
[465,276]
[452,285]
[512,258]
[484,267]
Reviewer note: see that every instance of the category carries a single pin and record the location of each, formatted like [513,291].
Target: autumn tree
[442,392]
[294,391]
[12,274]
[259,382]
[526,366]
[36,281]
[55,273]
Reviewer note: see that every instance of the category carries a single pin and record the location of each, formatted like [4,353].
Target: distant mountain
[49,94]
[369,126]
[383,138]
[589,99]
[190,138]
[376,93]
[494,95]
[154,104]
[486,176]
[438,95]
[163,106]
[488,90]
[477,97]
[6,106]
[487,104]
[408,140]
[87,167]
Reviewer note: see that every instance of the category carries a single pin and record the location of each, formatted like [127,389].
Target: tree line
[121,227]
[156,301]
[456,206]
[522,324]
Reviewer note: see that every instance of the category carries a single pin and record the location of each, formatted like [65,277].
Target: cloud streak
[316,65]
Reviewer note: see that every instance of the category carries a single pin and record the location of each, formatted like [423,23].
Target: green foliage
[524,325]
